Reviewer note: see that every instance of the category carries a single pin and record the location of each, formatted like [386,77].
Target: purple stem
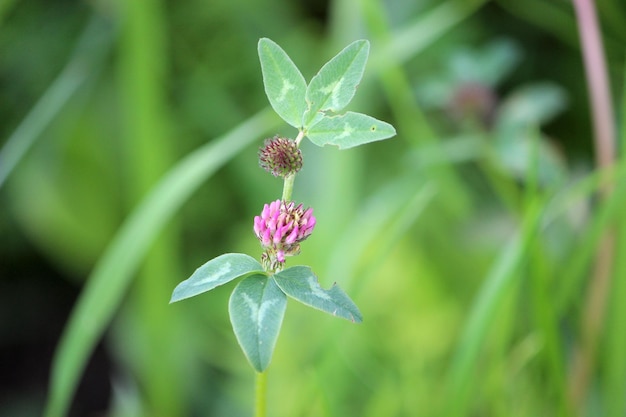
[604,141]
[597,82]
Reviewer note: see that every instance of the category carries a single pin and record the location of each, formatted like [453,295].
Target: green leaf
[332,88]
[217,271]
[256,309]
[300,283]
[532,105]
[349,130]
[284,84]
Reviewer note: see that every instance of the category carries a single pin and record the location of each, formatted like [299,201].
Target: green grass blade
[501,277]
[370,224]
[615,344]
[582,254]
[114,271]
[147,146]
[413,39]
[90,50]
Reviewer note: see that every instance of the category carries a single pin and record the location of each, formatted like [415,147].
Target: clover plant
[257,304]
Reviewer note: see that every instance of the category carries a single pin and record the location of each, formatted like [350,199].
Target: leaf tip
[363,42]
[175,296]
[263,42]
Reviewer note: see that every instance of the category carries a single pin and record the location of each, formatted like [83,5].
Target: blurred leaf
[499,59]
[532,105]
[515,153]
[300,283]
[90,51]
[216,272]
[435,91]
[284,84]
[332,88]
[349,130]
[256,308]
[520,115]
[488,65]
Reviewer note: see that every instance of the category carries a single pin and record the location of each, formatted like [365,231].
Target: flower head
[280,228]
[473,101]
[280,156]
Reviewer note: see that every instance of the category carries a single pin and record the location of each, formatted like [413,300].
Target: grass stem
[604,141]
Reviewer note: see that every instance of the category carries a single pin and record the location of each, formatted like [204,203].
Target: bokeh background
[470,241]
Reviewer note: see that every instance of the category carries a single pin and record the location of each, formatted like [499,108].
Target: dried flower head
[473,101]
[280,156]
[280,228]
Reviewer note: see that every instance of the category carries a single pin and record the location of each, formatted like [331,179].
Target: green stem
[288,187]
[289,179]
[260,394]
[299,137]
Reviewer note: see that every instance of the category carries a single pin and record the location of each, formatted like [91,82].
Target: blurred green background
[130,131]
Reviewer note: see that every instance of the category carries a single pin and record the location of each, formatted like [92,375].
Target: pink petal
[258,225]
[266,211]
[293,236]
[278,235]
[266,239]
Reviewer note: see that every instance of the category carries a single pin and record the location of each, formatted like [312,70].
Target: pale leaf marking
[316,290]
[332,90]
[346,133]
[257,314]
[287,86]
[224,269]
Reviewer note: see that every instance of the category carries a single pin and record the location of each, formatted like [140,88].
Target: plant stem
[260,394]
[604,137]
[289,179]
[288,187]
[597,82]
[299,137]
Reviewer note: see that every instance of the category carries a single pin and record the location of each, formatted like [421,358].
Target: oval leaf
[284,84]
[332,88]
[217,271]
[256,309]
[531,105]
[300,283]
[349,130]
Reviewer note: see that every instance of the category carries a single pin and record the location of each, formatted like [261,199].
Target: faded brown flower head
[280,156]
